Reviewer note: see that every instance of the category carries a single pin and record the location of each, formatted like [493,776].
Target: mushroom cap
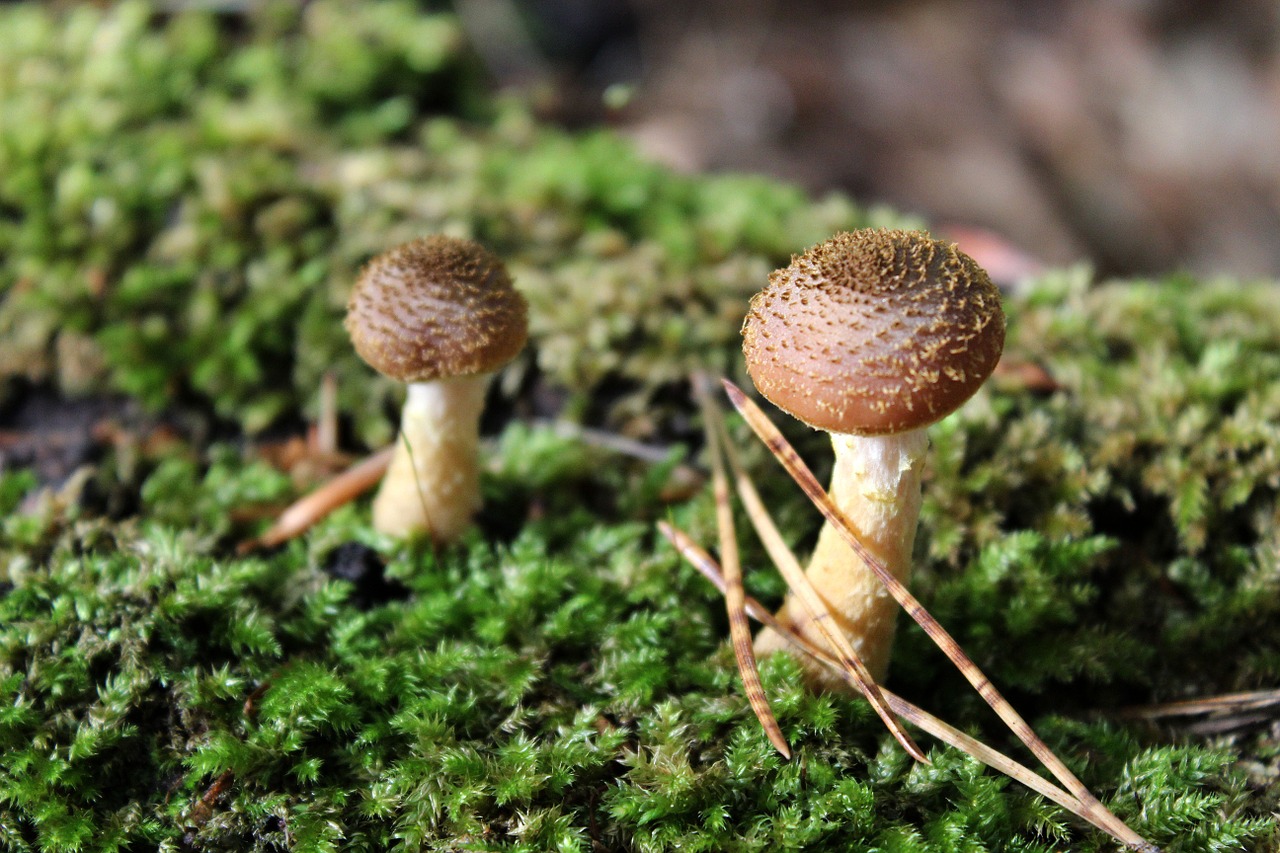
[874,332]
[434,307]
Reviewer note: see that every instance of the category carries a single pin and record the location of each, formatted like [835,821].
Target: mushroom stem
[433,483]
[876,484]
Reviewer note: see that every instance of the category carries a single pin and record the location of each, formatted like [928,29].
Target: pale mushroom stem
[876,484]
[433,483]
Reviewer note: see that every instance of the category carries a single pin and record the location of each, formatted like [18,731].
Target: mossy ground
[183,204]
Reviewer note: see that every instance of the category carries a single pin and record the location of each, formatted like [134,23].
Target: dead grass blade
[789,567]
[1218,714]
[308,510]
[1228,703]
[734,594]
[782,450]
[948,734]
[324,433]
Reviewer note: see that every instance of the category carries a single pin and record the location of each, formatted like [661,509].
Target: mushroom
[440,314]
[871,336]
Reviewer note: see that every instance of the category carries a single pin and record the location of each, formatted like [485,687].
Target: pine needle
[309,509]
[948,734]
[789,567]
[734,594]
[1098,814]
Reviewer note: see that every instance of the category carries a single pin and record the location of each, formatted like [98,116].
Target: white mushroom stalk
[871,336]
[433,483]
[876,485]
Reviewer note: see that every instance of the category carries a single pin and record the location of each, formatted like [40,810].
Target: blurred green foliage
[184,201]
[183,209]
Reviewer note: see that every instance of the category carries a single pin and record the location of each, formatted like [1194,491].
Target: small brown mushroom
[871,336]
[440,314]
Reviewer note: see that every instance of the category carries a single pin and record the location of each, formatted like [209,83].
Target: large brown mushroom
[871,336]
[440,314]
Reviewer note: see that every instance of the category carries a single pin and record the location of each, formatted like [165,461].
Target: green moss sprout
[185,199]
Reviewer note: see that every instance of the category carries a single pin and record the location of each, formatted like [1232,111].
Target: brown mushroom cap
[874,332]
[436,307]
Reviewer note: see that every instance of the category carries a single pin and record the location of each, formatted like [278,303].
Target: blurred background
[1141,135]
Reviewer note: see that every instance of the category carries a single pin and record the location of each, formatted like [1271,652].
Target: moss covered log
[184,203]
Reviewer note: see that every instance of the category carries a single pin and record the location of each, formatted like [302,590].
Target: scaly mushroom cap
[436,307]
[874,332]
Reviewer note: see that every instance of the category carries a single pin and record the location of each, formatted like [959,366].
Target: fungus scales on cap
[874,332]
[436,307]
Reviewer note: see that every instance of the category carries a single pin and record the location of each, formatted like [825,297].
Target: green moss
[1141,496]
[198,205]
[183,204]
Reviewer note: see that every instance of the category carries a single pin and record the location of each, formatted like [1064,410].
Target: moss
[198,205]
[1143,493]
[182,225]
